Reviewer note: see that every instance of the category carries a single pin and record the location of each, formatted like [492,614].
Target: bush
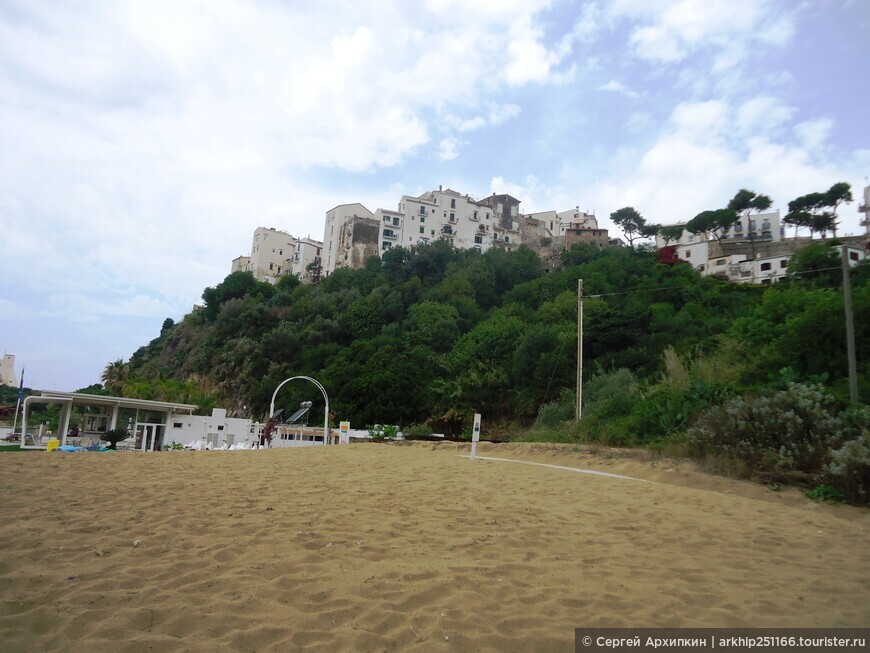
[114,436]
[850,469]
[554,413]
[418,431]
[665,412]
[383,432]
[782,434]
[610,394]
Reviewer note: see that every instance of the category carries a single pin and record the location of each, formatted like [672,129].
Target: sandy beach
[377,547]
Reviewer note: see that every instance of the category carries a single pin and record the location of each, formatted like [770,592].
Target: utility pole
[850,328]
[579,401]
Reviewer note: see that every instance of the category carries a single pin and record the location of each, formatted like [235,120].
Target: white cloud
[813,133]
[763,115]
[500,113]
[530,58]
[616,87]
[668,31]
[448,149]
[710,150]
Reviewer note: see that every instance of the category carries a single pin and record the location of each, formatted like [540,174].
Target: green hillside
[425,338]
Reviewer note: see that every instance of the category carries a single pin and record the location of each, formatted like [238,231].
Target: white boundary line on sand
[568,469]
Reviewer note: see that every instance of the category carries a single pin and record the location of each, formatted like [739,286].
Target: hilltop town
[755,249]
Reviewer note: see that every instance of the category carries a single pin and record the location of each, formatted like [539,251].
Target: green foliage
[383,432]
[663,412]
[554,413]
[114,436]
[817,265]
[849,468]
[431,335]
[777,435]
[236,286]
[630,221]
[826,493]
[716,222]
[418,431]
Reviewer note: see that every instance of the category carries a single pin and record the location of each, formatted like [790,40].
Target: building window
[721,261]
[783,263]
[452,203]
[701,268]
[271,266]
[422,230]
[422,219]
[433,232]
[387,219]
[395,222]
[487,216]
[452,217]
[177,425]
[688,254]
[478,240]
[474,217]
[765,267]
[506,239]
[422,210]
[853,256]
[386,245]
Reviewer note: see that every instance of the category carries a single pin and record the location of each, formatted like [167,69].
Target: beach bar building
[146,420]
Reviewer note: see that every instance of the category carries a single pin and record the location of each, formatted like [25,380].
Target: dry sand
[404,547]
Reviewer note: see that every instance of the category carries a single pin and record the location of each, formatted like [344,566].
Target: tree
[816,265]
[747,201]
[839,193]
[818,211]
[630,221]
[671,233]
[716,223]
[115,377]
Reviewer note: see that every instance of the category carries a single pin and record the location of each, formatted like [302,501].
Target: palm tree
[115,377]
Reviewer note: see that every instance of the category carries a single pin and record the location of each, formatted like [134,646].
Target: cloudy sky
[141,143]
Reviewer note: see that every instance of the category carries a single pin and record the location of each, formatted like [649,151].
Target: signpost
[475,435]
[344,432]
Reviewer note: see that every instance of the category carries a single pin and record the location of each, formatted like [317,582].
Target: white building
[342,224]
[353,233]
[757,229]
[7,370]
[276,253]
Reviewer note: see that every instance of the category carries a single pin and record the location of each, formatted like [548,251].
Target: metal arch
[325,397]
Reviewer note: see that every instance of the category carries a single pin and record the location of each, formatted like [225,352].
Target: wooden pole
[850,328]
[579,402]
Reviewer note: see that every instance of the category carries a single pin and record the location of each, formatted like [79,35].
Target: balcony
[447,230]
[390,235]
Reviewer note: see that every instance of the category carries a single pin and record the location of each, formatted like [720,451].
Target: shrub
[665,412]
[554,413]
[383,432]
[418,431]
[114,436]
[850,469]
[780,434]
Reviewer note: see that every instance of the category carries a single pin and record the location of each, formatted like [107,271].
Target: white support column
[63,424]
